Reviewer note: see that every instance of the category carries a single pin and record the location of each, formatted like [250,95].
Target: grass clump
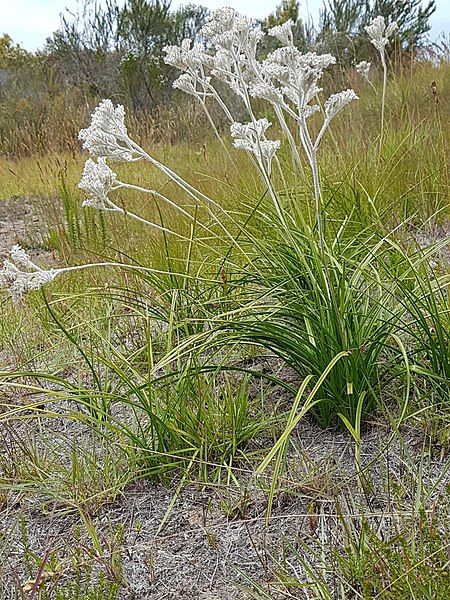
[316,302]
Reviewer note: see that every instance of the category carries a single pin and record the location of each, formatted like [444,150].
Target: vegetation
[263,326]
[114,50]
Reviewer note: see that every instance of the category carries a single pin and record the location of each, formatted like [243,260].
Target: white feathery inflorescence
[188,56]
[297,73]
[186,83]
[288,79]
[234,39]
[20,282]
[20,257]
[251,137]
[267,91]
[363,68]
[380,33]
[97,181]
[220,20]
[230,70]
[337,101]
[232,31]
[283,32]
[191,58]
[107,134]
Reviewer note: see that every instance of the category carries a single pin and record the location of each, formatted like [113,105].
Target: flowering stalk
[287,79]
[380,34]
[235,40]
[363,69]
[20,275]
[107,137]
[383,97]
[99,180]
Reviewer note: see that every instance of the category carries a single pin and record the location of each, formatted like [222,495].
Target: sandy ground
[21,223]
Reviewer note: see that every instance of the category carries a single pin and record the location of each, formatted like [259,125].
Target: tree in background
[288,9]
[145,28]
[342,22]
[11,55]
[116,49]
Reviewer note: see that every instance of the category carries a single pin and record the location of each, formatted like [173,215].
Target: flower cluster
[191,58]
[380,33]
[252,137]
[186,83]
[234,39]
[229,30]
[283,32]
[187,56]
[296,74]
[97,181]
[288,79]
[107,134]
[337,101]
[363,69]
[18,281]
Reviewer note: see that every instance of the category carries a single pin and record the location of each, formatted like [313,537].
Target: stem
[124,266]
[266,175]
[216,133]
[312,158]
[383,97]
[188,188]
[116,208]
[321,133]
[292,145]
[138,188]
[317,196]
[373,87]
[221,103]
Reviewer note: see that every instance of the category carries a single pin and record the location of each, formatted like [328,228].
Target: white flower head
[363,69]
[219,21]
[309,110]
[97,181]
[107,134]
[228,29]
[337,101]
[380,33]
[251,137]
[20,257]
[267,91]
[298,73]
[186,83]
[188,56]
[283,32]
[225,69]
[20,282]
[268,149]
[222,63]
[250,131]
[332,106]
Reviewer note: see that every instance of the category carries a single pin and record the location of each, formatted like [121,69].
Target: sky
[30,22]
